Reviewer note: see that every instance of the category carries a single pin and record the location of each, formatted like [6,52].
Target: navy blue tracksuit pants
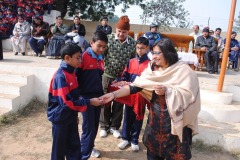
[66,141]
[131,126]
[89,130]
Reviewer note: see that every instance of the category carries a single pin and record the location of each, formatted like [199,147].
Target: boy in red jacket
[134,113]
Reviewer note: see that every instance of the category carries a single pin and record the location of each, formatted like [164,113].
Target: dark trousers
[89,130]
[66,142]
[111,115]
[37,45]
[233,56]
[211,60]
[153,157]
[131,126]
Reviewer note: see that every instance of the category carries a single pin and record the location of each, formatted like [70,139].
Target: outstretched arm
[122,92]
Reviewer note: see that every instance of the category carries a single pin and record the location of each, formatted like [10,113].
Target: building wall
[91,28]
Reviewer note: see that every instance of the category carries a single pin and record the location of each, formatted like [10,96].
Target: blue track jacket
[64,99]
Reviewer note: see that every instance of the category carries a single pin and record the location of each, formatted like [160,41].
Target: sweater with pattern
[117,55]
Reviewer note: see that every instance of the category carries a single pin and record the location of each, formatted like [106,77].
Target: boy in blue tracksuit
[133,115]
[64,103]
[89,76]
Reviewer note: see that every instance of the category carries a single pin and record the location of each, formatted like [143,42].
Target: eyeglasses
[156,53]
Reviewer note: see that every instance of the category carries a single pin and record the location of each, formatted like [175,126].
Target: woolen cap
[123,23]
[205,30]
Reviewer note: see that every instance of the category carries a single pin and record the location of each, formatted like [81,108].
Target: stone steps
[221,112]
[226,135]
[15,89]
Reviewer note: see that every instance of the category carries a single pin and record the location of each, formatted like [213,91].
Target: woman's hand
[160,89]
[107,97]
[96,101]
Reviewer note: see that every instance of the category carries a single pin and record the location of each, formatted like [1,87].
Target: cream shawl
[182,95]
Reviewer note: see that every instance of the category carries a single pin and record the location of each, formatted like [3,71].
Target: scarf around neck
[182,95]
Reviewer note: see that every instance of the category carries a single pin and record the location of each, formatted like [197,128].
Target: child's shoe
[123,144]
[95,153]
[135,147]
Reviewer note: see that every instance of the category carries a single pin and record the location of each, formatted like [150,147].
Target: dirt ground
[29,138]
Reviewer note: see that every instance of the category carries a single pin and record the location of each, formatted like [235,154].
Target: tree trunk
[61,6]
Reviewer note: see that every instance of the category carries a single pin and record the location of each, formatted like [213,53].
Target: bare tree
[237,24]
[166,13]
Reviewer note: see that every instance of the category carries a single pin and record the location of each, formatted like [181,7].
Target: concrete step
[4,110]
[220,112]
[11,77]
[8,101]
[210,96]
[225,134]
[15,90]
[11,88]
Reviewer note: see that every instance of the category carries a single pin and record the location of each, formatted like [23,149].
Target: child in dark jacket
[134,113]
[64,105]
[90,85]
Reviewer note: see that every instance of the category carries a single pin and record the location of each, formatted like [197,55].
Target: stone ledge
[216,97]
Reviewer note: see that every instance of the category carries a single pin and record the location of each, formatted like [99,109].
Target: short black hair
[169,52]
[218,29]
[196,26]
[104,17]
[69,49]
[76,17]
[59,17]
[143,40]
[233,32]
[100,35]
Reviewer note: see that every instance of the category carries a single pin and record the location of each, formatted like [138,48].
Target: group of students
[89,73]
[28,9]
[90,67]
[82,80]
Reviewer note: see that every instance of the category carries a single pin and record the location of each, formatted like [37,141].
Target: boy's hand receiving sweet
[107,97]
[96,101]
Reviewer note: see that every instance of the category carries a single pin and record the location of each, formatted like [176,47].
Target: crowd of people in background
[212,44]
[28,9]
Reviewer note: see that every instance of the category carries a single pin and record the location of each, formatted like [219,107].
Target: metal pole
[226,49]
[208,22]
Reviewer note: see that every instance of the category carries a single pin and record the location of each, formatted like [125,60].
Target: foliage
[166,13]
[93,9]
[237,24]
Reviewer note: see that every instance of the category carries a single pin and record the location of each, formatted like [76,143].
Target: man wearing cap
[152,36]
[39,38]
[104,26]
[120,49]
[207,43]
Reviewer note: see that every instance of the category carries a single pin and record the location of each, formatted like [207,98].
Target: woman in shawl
[173,90]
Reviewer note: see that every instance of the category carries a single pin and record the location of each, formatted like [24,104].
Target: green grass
[12,117]
[200,146]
